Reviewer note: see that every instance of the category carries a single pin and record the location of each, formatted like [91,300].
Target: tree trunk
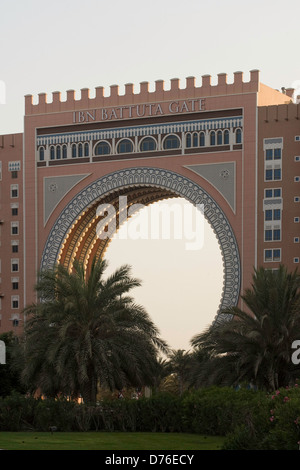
[89,391]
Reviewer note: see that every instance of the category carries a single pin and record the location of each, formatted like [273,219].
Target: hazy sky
[72,44]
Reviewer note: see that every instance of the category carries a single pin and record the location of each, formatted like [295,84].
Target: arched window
[52,153]
[195,139]
[148,144]
[103,148]
[80,150]
[64,151]
[74,151]
[226,137]
[86,149]
[219,138]
[58,152]
[238,136]
[171,142]
[42,154]
[188,140]
[202,139]
[213,138]
[125,146]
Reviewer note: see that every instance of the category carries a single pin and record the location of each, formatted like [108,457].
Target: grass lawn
[107,441]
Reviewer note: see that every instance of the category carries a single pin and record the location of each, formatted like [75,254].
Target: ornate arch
[159,178]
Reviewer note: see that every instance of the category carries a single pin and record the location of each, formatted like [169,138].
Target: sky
[71,44]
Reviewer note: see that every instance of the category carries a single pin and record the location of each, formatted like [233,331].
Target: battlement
[223,87]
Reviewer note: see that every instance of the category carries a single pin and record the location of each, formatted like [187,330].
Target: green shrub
[219,410]
[284,417]
[52,412]
[249,419]
[17,413]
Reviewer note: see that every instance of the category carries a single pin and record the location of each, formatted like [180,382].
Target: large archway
[74,233]
[180,287]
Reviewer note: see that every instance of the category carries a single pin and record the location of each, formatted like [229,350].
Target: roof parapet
[223,87]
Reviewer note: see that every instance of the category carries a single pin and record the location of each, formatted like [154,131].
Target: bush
[284,417]
[249,419]
[220,410]
[17,413]
[51,412]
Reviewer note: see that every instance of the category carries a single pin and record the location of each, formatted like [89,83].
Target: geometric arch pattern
[159,178]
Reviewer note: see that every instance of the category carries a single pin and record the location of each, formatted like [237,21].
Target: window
[86,149]
[149,144]
[14,174]
[296,199]
[268,235]
[188,140]
[195,139]
[52,153]
[64,151]
[15,301]
[272,255]
[273,174]
[219,138]
[80,150]
[15,285]
[296,260]
[15,265]
[273,154]
[125,146]
[276,255]
[226,137]
[277,154]
[296,239]
[14,211]
[15,248]
[276,214]
[213,138]
[14,191]
[296,179]
[276,234]
[14,228]
[269,175]
[297,158]
[103,148]
[277,174]
[41,154]
[268,215]
[58,152]
[15,322]
[74,151]
[202,139]
[238,136]
[296,220]
[171,142]
[272,235]
[268,255]
[277,192]
[269,193]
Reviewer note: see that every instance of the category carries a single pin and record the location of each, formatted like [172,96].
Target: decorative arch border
[155,177]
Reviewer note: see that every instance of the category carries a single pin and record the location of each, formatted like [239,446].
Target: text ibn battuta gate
[199,143]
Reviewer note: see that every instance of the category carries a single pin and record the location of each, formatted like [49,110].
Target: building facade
[233,147]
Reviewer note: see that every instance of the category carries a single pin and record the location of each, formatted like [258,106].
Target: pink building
[234,147]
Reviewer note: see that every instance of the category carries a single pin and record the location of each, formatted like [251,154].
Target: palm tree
[255,345]
[87,330]
[179,364]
